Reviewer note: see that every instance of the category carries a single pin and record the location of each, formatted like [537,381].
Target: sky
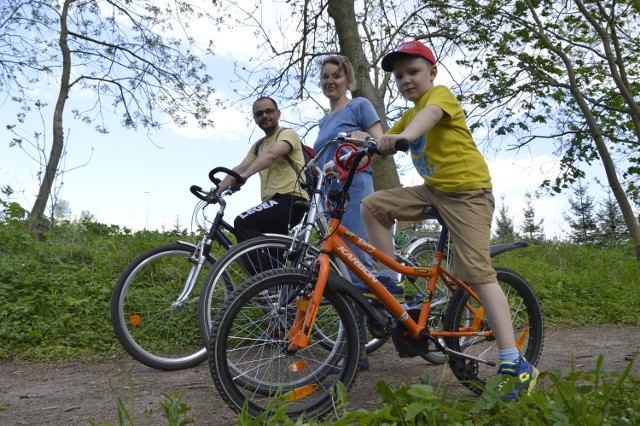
[136,182]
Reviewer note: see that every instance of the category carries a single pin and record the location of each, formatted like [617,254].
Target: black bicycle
[154,305]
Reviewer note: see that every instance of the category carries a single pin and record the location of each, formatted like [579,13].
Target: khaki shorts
[468,215]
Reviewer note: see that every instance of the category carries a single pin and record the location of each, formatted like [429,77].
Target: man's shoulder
[288,135]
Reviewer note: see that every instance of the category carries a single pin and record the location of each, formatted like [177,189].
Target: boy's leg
[468,215]
[379,235]
[379,211]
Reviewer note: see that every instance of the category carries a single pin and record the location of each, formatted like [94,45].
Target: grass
[59,287]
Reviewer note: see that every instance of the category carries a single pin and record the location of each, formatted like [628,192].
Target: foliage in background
[578,284]
[55,294]
[135,57]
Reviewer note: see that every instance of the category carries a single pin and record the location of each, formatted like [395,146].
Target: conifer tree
[610,222]
[581,215]
[504,231]
[533,231]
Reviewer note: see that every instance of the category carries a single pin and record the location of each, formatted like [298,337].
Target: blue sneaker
[526,373]
[393,287]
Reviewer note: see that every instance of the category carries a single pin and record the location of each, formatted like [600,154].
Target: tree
[581,216]
[285,64]
[525,71]
[134,56]
[610,223]
[563,72]
[532,230]
[504,230]
[61,210]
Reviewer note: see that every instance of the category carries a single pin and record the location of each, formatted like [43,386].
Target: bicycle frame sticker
[329,232]
[363,244]
[355,261]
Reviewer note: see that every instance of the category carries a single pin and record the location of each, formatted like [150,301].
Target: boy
[457,183]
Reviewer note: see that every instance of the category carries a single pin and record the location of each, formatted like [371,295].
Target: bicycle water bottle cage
[345,154]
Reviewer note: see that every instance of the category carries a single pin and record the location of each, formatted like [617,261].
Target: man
[277,158]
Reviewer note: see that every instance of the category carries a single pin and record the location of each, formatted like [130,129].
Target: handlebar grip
[402,145]
[197,191]
[230,172]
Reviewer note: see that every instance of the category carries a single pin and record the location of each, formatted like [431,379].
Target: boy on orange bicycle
[457,183]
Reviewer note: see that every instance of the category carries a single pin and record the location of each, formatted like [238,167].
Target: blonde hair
[344,65]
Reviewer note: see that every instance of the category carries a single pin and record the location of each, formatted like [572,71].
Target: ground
[78,393]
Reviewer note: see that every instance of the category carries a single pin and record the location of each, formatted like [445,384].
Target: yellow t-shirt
[280,178]
[446,156]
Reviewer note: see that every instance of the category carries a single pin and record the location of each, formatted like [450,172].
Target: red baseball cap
[413,48]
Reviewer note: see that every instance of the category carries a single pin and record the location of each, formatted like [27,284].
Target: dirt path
[77,393]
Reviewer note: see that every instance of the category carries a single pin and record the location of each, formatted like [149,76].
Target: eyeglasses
[269,111]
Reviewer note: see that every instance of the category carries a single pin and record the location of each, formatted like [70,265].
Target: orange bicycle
[291,334]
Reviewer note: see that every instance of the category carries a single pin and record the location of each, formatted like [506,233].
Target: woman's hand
[359,135]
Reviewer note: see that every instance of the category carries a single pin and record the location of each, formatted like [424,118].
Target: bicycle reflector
[135,319]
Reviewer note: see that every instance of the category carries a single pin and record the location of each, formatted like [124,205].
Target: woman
[353,116]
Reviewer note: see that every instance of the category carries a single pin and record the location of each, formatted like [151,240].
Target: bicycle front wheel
[248,359]
[528,325]
[149,321]
[243,262]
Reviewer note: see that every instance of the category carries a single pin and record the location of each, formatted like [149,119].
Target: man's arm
[230,180]
[267,157]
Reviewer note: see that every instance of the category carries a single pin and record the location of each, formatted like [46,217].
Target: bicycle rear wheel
[148,321]
[248,360]
[528,326]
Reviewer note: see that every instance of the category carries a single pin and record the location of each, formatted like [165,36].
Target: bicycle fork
[197,259]
[300,332]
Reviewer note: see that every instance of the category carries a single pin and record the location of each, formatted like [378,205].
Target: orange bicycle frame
[334,242]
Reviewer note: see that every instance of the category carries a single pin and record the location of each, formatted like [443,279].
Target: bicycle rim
[236,266]
[240,264]
[149,323]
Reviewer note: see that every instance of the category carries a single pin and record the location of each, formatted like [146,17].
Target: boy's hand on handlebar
[387,144]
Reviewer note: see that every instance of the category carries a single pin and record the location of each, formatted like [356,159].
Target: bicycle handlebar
[208,197]
[212,196]
[354,157]
[230,172]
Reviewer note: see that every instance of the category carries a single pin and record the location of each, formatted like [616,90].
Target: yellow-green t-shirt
[280,177]
[446,156]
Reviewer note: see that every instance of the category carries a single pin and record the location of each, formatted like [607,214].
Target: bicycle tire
[247,360]
[146,321]
[528,324]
